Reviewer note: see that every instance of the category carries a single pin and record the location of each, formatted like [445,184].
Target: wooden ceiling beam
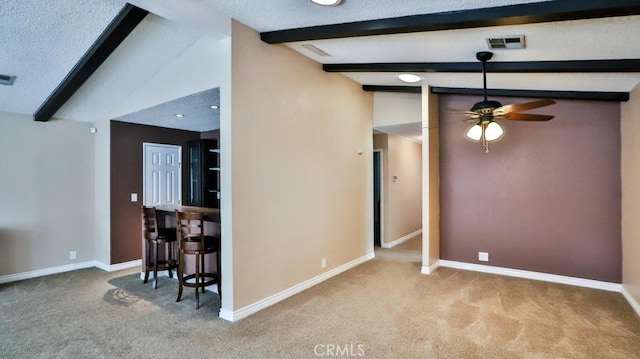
[119,28]
[566,95]
[530,13]
[570,66]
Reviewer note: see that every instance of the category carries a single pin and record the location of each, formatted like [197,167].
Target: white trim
[68,268]
[430,269]
[580,282]
[401,240]
[118,266]
[161,273]
[46,271]
[271,300]
[632,301]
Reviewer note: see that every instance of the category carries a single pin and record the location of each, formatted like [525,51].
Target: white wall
[102,188]
[47,192]
[391,108]
[200,67]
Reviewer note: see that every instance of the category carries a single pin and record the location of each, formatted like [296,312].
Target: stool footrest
[210,279]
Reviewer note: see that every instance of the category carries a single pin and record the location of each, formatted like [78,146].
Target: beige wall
[630,129]
[391,108]
[402,197]
[46,187]
[301,192]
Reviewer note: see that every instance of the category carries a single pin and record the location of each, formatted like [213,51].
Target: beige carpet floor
[381,309]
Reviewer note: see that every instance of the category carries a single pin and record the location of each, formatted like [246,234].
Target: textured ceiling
[285,14]
[43,39]
[41,42]
[196,108]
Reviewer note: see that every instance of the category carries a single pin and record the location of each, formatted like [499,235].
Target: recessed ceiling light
[214,106]
[327,2]
[179,115]
[410,78]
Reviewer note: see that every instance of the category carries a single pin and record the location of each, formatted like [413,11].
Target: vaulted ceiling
[370,41]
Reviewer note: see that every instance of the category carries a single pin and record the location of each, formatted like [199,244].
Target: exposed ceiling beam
[626,65]
[119,28]
[401,89]
[567,95]
[531,13]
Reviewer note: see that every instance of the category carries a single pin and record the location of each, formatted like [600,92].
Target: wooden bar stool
[154,237]
[190,229]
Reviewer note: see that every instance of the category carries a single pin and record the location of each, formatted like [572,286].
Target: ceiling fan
[486,112]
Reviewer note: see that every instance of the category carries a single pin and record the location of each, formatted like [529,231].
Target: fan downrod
[484,56]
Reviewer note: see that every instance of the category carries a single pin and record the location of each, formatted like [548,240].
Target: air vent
[507,42]
[7,80]
[315,50]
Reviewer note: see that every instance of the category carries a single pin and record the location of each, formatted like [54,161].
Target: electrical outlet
[73,254]
[483,256]
[324,263]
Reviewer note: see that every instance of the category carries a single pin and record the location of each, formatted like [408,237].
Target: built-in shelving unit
[204,174]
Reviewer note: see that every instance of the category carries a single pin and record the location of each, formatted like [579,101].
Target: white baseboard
[400,240]
[118,266]
[234,316]
[632,301]
[46,271]
[68,268]
[430,269]
[580,282]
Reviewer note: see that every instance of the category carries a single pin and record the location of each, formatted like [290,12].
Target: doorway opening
[377,198]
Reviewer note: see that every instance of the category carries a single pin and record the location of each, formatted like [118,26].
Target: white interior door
[162,180]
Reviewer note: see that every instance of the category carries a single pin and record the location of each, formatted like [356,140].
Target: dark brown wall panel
[126,178]
[546,198]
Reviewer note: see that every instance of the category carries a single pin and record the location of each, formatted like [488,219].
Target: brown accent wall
[546,198]
[126,178]
[211,135]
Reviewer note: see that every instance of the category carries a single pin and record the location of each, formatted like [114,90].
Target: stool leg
[169,255]
[146,266]
[202,279]
[155,266]
[218,274]
[180,275]
[197,280]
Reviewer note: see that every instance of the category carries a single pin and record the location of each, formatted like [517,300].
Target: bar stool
[154,237]
[190,229]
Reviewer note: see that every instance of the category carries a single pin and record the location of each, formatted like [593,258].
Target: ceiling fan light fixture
[409,78]
[475,132]
[493,131]
[327,2]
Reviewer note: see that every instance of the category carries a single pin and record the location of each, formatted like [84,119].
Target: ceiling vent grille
[315,50]
[507,42]
[7,80]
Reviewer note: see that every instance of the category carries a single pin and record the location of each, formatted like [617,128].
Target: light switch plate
[134,197]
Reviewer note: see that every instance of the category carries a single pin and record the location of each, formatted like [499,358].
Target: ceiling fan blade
[519,107]
[525,117]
